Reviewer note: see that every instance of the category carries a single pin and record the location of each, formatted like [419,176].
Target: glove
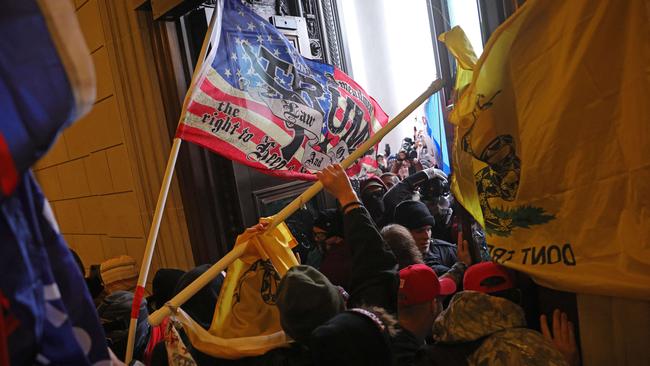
[435,173]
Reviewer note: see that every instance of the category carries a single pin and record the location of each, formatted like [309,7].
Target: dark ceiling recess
[172,9]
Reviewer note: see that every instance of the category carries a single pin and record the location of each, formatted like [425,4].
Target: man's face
[422,236]
[320,236]
[321,239]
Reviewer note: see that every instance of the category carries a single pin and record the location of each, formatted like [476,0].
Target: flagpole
[162,199]
[194,287]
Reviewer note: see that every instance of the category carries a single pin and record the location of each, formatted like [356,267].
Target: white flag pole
[194,287]
[164,191]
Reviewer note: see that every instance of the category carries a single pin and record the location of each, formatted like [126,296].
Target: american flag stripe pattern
[259,102]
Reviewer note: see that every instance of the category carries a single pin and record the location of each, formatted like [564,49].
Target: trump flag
[258,102]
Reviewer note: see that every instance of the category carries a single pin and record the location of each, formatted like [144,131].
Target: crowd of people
[415,298]
[390,281]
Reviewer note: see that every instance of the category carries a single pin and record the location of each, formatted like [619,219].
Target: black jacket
[401,192]
[374,280]
[405,346]
[441,256]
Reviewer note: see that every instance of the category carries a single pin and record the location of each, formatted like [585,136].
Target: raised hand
[563,336]
[258,228]
[336,182]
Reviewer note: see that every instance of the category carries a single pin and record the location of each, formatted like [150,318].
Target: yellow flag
[461,48]
[552,150]
[246,321]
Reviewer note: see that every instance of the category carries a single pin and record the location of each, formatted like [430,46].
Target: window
[390,49]
[464,13]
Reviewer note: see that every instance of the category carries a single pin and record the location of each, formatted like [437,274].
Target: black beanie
[413,215]
[306,300]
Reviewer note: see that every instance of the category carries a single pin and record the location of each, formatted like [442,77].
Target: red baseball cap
[488,277]
[418,283]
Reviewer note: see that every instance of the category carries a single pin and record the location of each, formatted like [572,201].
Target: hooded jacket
[497,327]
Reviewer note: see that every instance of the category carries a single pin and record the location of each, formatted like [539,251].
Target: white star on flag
[241,13]
[276,52]
[269,37]
[227,73]
[233,56]
[251,26]
[260,39]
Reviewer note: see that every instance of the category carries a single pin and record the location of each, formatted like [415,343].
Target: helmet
[435,193]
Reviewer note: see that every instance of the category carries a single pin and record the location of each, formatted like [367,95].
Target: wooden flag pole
[194,287]
[162,199]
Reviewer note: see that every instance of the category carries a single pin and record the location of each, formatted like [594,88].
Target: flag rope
[194,287]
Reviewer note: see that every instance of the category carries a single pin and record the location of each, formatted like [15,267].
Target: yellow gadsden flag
[246,321]
[552,150]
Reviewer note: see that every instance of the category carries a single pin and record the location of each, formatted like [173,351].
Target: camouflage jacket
[501,324]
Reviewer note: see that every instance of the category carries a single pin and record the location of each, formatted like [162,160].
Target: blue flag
[46,82]
[43,287]
[43,87]
[436,129]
